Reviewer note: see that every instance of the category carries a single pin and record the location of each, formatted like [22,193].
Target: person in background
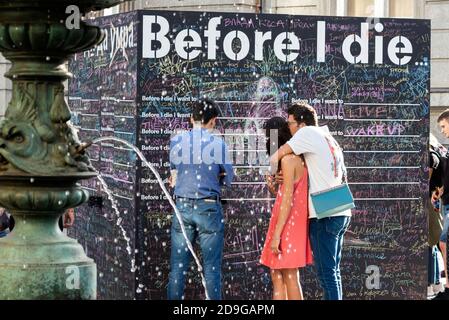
[287,245]
[442,194]
[202,165]
[436,154]
[67,220]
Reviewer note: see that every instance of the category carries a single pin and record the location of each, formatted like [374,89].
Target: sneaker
[444,295]
[430,291]
[437,288]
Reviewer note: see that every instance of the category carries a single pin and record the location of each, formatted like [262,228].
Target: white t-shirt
[311,142]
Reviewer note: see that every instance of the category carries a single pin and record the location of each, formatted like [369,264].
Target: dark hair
[283,133]
[204,110]
[4,221]
[303,113]
[444,116]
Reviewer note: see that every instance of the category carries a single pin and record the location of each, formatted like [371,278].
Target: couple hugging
[308,160]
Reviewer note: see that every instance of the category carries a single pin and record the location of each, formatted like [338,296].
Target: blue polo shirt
[202,162]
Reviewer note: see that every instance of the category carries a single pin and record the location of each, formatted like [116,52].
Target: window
[127,6]
[377,8]
[110,11]
[402,8]
[361,8]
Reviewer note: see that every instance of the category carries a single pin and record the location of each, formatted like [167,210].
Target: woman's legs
[291,280]
[278,285]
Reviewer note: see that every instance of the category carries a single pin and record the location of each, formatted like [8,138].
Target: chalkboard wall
[368,80]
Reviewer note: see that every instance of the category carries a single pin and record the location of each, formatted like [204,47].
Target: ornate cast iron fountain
[41,157]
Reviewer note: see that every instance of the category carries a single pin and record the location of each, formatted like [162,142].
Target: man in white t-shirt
[324,159]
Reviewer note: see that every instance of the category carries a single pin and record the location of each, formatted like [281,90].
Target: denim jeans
[434,270]
[203,221]
[445,213]
[326,238]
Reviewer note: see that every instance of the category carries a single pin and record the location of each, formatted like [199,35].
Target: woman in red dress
[287,245]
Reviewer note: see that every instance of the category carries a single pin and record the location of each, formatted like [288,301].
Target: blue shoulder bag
[337,199]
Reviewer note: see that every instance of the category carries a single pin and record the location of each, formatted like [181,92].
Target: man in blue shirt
[202,165]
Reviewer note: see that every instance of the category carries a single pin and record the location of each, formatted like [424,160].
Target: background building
[436,10]
[5,85]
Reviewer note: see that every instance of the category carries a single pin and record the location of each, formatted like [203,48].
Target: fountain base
[49,282]
[54,269]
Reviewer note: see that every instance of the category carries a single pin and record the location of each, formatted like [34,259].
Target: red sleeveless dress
[295,244]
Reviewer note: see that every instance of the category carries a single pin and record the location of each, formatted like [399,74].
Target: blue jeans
[445,213]
[434,270]
[203,220]
[326,238]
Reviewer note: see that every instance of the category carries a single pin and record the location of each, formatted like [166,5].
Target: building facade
[5,85]
[435,10]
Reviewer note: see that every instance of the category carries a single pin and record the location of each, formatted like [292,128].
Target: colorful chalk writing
[378,111]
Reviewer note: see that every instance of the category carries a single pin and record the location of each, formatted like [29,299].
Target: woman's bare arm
[279,155]
[288,169]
